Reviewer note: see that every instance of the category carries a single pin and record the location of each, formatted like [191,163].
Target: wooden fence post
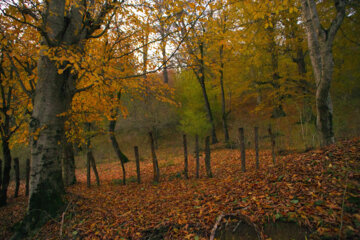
[17,176]
[207,157]
[27,177]
[242,149]
[272,138]
[155,161]
[256,130]
[137,159]
[185,157]
[197,156]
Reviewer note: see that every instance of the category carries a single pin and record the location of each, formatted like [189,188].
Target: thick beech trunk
[320,41]
[197,156]
[27,177]
[185,158]
[6,172]
[68,165]
[242,149]
[17,177]
[137,159]
[154,159]
[207,157]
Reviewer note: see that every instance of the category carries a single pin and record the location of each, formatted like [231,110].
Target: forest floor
[320,190]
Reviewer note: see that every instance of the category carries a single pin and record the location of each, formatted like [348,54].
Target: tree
[320,42]
[63,26]
[13,102]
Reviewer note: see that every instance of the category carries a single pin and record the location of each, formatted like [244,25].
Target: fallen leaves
[301,187]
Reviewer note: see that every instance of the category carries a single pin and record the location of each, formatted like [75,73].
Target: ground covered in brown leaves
[319,190]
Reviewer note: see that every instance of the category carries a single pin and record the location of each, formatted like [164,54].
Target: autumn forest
[180,119]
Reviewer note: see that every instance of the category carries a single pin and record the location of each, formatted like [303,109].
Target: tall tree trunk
[17,177]
[69,176]
[154,158]
[6,173]
[223,103]
[197,157]
[185,157]
[320,41]
[121,156]
[207,157]
[201,79]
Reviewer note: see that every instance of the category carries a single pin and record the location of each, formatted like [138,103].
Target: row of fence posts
[156,170]
[17,176]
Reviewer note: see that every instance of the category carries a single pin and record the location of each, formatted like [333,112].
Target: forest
[180,119]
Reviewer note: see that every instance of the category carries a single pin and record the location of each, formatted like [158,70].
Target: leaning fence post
[27,177]
[17,176]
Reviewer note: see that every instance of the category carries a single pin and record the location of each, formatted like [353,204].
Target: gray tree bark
[68,164]
[53,96]
[320,41]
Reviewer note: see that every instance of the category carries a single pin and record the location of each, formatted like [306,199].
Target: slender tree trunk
[201,79]
[69,176]
[17,177]
[320,41]
[207,157]
[137,159]
[197,157]
[272,139]
[91,158]
[256,131]
[154,158]
[6,173]
[242,149]
[27,177]
[223,103]
[121,156]
[185,157]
